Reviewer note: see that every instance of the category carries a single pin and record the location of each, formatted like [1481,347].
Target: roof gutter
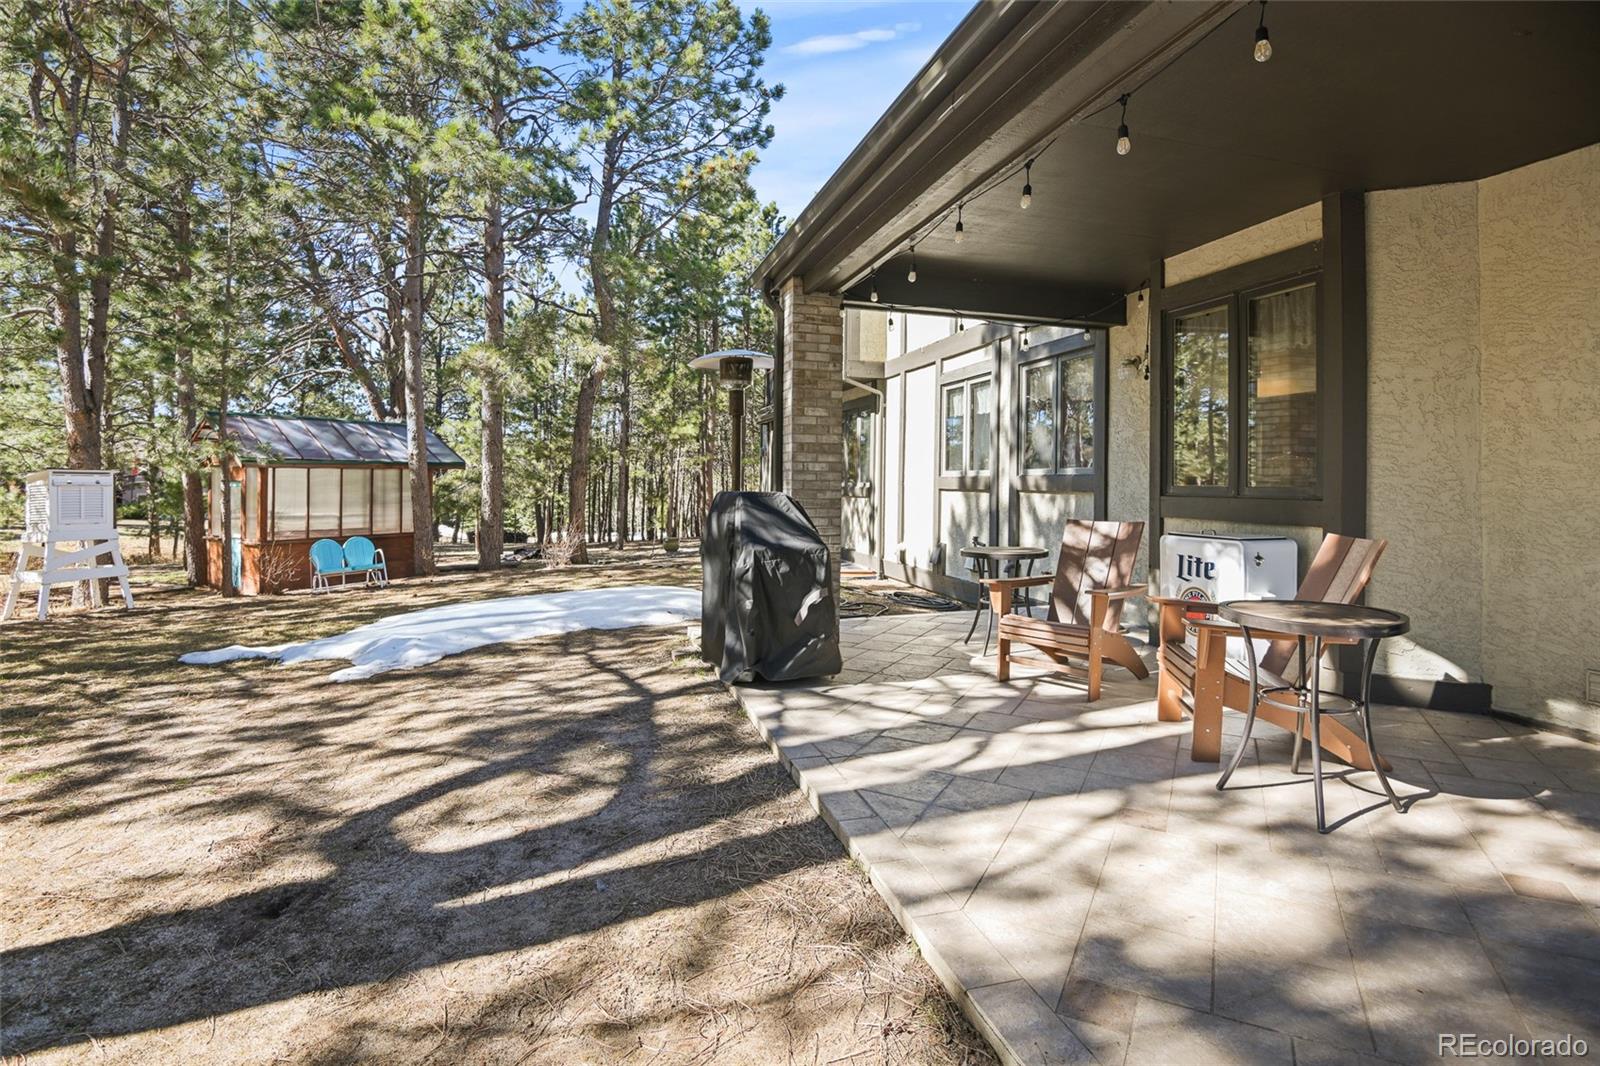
[961,53]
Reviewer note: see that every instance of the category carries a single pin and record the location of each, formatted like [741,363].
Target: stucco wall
[1041,516]
[962,516]
[1423,434]
[1128,427]
[1301,226]
[1539,264]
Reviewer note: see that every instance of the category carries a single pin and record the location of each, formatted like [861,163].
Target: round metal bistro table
[987,561]
[1304,620]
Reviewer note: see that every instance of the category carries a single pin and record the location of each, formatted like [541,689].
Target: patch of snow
[421,637]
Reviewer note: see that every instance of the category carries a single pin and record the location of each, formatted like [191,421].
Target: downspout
[775,385]
[878,461]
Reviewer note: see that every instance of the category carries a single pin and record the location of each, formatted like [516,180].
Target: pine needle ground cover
[569,849]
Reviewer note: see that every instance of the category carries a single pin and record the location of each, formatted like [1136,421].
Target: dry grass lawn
[566,850]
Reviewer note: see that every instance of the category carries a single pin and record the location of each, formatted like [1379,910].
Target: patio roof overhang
[1358,97]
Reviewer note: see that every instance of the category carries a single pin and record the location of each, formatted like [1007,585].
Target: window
[386,501]
[981,421]
[353,507]
[858,451]
[1038,417]
[1242,414]
[1281,390]
[955,429]
[1077,413]
[1200,441]
[215,525]
[1058,414]
[968,427]
[288,502]
[252,495]
[324,501]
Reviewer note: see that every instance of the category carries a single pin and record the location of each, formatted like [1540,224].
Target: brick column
[813,409]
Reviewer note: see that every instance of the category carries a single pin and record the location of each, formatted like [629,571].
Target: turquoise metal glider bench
[358,555]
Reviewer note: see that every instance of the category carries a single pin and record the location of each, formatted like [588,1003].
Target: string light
[961,231]
[911,275]
[1263,50]
[1027,185]
[874,283]
[1124,142]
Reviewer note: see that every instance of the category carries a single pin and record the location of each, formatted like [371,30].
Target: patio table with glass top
[1302,620]
[987,562]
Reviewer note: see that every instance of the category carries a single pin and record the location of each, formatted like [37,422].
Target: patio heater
[735,369]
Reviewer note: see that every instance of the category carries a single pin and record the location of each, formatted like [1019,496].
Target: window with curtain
[1281,390]
[288,502]
[354,517]
[386,501]
[1242,413]
[405,501]
[323,505]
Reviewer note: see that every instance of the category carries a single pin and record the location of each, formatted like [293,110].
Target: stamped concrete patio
[1088,895]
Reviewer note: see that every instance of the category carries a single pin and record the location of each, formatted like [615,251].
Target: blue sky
[841,62]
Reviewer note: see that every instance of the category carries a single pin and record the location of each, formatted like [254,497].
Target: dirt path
[566,850]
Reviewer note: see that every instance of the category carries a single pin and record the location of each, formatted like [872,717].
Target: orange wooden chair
[1094,571]
[1205,680]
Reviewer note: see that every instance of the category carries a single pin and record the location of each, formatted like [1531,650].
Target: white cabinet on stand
[76,507]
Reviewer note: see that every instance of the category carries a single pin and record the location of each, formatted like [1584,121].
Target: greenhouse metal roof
[274,439]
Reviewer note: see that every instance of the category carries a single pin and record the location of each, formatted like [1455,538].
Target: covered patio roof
[1357,97]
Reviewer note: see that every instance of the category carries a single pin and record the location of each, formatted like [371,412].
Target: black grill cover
[767,608]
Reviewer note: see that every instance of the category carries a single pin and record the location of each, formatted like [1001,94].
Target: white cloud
[832,43]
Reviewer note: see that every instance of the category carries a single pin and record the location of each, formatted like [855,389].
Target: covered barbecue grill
[768,608]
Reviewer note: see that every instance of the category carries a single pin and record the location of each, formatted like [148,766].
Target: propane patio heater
[735,369]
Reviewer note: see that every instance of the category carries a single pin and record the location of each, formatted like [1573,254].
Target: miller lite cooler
[1213,567]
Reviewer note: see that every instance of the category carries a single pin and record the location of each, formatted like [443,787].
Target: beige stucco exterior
[1484,341]
[1128,426]
[1539,315]
[1423,431]
[1297,227]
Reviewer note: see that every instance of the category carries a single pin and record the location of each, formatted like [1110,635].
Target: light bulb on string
[911,275]
[1027,185]
[1263,49]
[961,231]
[1124,141]
[873,281]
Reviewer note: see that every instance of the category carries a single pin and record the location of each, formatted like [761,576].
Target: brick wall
[813,413]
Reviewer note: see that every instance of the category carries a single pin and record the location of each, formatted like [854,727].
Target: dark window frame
[962,382]
[1234,295]
[1092,345]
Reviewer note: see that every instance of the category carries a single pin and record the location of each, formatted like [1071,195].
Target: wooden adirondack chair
[1205,679]
[1094,569]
